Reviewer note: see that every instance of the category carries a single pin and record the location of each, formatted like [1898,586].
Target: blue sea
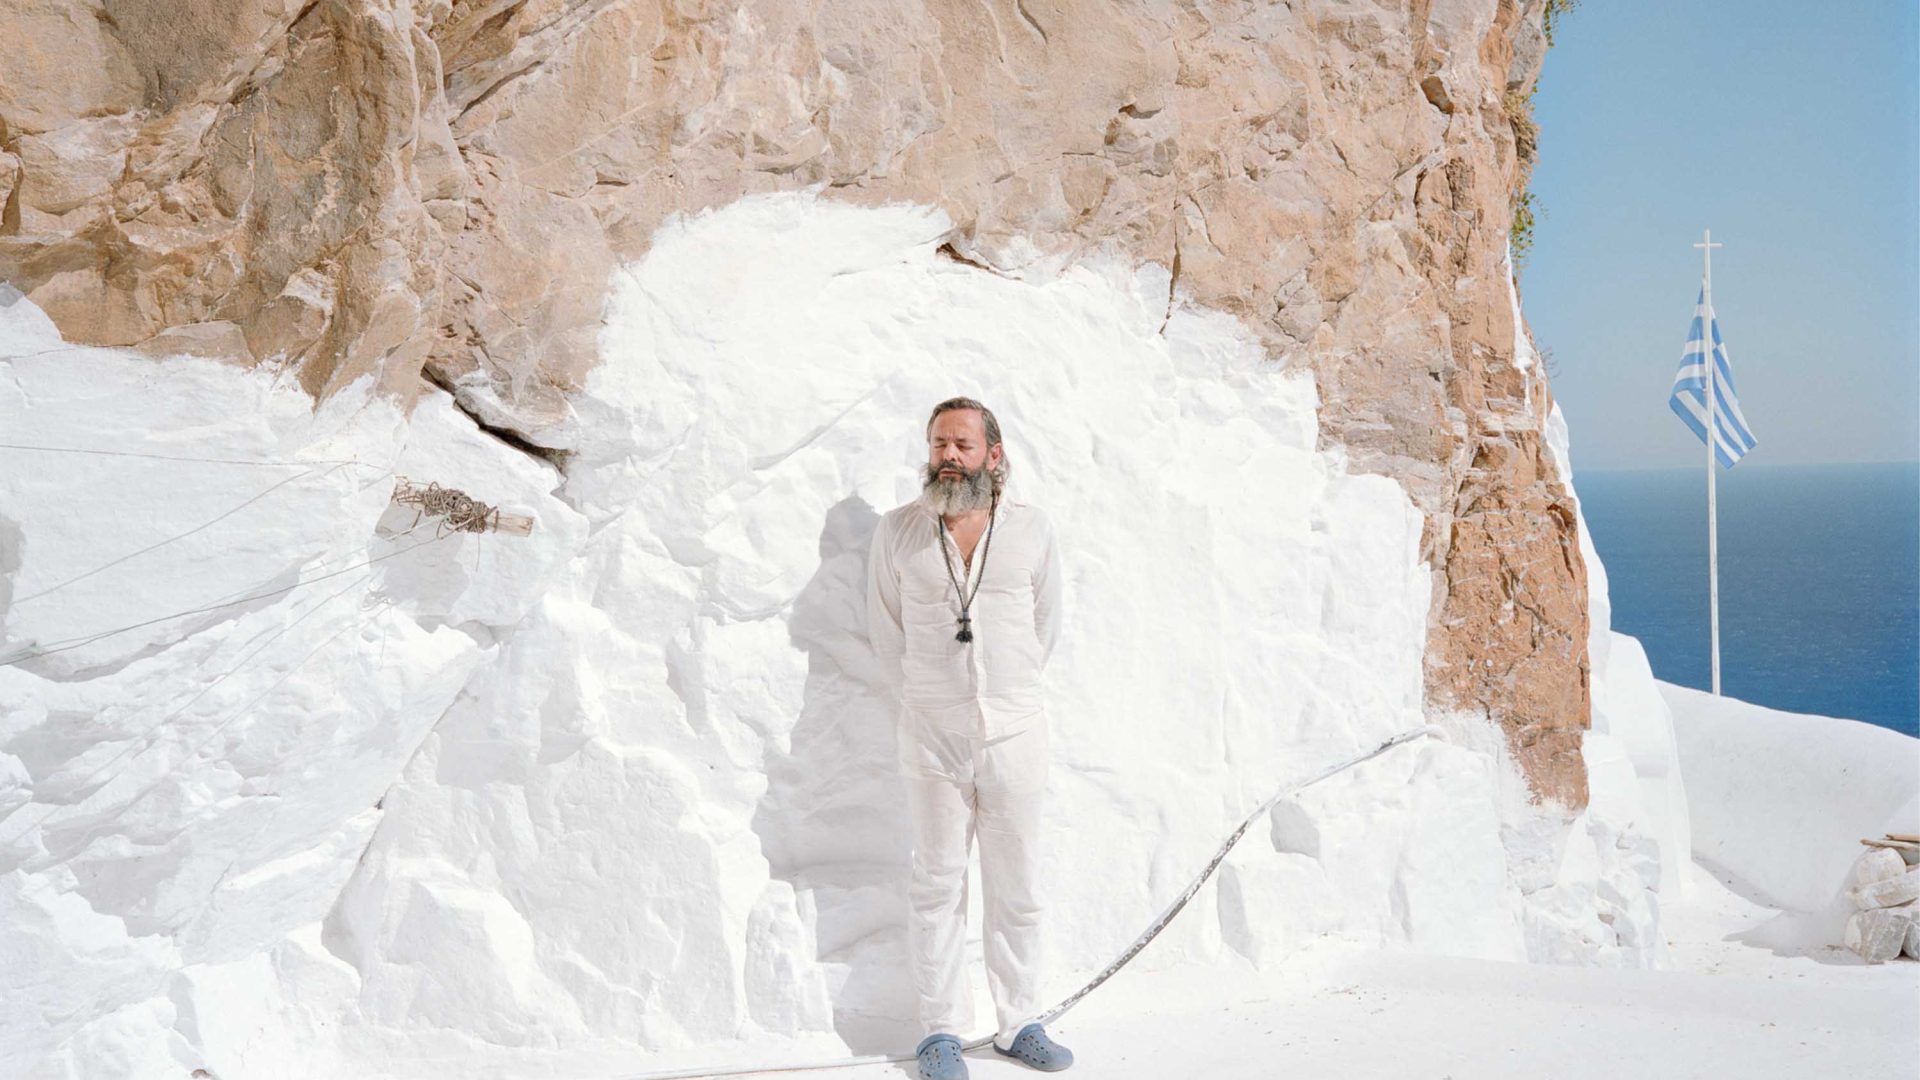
[1819,582]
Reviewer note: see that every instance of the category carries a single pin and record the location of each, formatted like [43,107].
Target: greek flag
[1689,400]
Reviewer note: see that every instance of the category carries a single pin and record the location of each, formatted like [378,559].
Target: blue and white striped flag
[1689,400]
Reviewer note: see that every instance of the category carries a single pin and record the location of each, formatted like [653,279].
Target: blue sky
[1789,129]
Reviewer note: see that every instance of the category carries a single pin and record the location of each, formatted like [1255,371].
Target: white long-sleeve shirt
[913,614]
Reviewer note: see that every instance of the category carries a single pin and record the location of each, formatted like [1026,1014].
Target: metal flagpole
[1713,436]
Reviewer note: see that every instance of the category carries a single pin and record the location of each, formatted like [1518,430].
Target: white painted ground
[1727,1008]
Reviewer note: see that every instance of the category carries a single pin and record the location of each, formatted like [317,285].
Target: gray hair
[987,421]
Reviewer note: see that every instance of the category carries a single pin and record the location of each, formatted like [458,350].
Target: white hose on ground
[1133,950]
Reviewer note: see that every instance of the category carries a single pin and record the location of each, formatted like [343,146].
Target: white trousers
[958,784]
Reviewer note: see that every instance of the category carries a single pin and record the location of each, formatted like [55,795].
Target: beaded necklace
[966,598]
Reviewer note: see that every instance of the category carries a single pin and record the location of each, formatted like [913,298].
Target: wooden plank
[1911,838]
[1897,845]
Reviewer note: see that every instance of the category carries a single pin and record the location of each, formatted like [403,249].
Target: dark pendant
[965,636]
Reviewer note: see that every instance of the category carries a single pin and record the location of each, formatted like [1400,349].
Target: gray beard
[957,495]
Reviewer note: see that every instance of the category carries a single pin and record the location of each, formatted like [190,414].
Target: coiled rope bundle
[462,512]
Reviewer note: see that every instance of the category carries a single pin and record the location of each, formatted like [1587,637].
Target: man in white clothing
[963,606]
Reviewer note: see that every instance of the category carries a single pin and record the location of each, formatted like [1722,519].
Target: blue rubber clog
[1033,1047]
[940,1058]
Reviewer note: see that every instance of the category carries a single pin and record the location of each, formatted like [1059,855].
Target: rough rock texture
[350,186]
[622,795]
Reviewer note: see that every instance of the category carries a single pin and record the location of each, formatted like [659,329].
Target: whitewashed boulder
[1913,939]
[1878,934]
[1875,864]
[1902,888]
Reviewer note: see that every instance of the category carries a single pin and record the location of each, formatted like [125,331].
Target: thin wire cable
[273,811]
[50,352]
[392,463]
[293,463]
[239,665]
[243,710]
[171,539]
[146,737]
[1132,951]
[143,740]
[394,539]
[64,644]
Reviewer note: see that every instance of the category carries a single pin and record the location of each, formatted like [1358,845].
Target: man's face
[957,453]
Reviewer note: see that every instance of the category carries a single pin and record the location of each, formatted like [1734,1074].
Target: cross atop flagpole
[1713,522]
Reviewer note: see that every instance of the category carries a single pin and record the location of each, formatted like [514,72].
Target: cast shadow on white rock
[1813,935]
[832,824]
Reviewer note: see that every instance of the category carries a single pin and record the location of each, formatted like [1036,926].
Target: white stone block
[1878,934]
[1902,888]
[1875,864]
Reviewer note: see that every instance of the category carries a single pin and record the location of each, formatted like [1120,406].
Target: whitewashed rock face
[620,794]
[176,798]
[723,698]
